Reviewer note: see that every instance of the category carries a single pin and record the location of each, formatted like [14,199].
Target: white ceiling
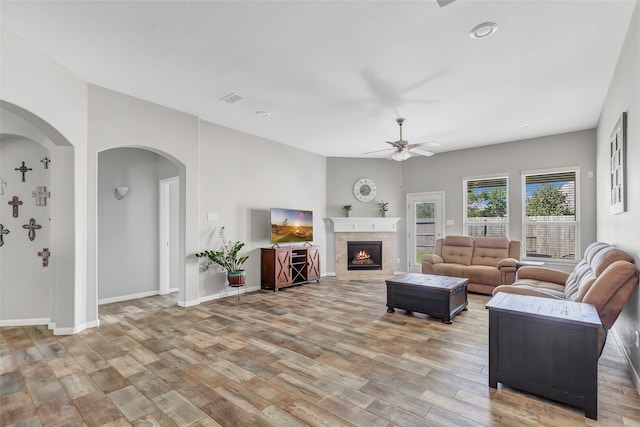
[335,74]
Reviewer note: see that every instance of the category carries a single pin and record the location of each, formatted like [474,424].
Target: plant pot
[383,214]
[347,214]
[236,278]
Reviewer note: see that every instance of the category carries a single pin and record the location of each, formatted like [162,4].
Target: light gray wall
[25,285]
[342,174]
[242,176]
[623,229]
[118,120]
[445,172]
[54,101]
[128,229]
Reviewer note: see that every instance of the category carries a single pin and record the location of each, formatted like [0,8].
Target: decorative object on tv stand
[32,227]
[46,162]
[121,192]
[15,203]
[23,169]
[365,190]
[41,195]
[384,207]
[228,259]
[618,162]
[3,231]
[347,210]
[45,254]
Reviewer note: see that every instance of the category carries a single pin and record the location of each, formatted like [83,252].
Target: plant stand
[237,287]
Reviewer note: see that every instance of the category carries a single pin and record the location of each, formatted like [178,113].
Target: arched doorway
[128,227]
[50,158]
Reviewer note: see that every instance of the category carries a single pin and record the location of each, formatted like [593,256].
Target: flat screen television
[291,226]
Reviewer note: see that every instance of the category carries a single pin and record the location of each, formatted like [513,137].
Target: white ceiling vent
[232,98]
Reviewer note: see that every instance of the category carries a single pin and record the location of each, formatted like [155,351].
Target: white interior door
[425,215]
[168,235]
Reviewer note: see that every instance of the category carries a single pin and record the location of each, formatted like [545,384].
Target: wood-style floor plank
[325,354]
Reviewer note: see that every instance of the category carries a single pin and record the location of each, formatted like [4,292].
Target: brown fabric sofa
[486,261]
[605,278]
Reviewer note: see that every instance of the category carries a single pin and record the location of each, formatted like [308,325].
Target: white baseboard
[635,376]
[230,292]
[127,297]
[329,274]
[24,322]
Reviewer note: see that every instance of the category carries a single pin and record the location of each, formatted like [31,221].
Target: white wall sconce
[121,192]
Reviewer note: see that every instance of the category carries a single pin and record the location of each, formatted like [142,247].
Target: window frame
[465,205]
[576,222]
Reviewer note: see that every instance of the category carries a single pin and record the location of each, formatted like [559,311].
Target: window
[486,208]
[550,214]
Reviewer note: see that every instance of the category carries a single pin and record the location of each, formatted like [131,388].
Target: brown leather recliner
[604,278]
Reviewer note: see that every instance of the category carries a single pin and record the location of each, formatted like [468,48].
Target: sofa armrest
[543,274]
[508,263]
[432,259]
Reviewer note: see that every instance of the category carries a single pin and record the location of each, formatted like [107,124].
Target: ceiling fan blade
[424,144]
[422,152]
[396,144]
[379,151]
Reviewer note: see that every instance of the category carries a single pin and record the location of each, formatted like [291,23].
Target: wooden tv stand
[289,265]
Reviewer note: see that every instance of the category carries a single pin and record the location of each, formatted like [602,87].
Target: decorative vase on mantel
[383,214]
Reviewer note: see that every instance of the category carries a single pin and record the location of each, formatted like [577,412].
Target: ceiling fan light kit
[403,150]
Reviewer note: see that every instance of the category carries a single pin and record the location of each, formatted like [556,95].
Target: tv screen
[291,226]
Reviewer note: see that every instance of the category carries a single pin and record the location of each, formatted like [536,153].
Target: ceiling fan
[403,150]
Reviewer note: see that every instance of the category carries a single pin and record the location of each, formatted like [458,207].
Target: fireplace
[364,255]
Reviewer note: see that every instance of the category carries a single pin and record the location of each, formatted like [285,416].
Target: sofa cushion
[457,250]
[448,269]
[490,250]
[485,274]
[597,258]
[533,288]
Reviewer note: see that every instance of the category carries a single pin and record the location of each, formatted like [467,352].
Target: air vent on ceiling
[443,3]
[232,98]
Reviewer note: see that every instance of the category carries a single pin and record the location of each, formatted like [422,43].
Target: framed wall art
[618,161]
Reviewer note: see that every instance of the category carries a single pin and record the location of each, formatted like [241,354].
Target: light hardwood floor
[322,354]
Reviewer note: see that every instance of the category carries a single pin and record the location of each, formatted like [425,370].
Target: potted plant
[384,207]
[347,210]
[228,259]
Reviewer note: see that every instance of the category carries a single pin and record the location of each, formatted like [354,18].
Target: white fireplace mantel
[364,225]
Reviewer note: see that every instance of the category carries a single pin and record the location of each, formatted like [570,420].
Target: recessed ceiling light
[522,125]
[483,30]
[263,114]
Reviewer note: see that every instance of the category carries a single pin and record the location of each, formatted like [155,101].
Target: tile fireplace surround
[364,230]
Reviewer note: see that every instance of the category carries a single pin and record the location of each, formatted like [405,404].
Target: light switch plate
[212,216]
[449,222]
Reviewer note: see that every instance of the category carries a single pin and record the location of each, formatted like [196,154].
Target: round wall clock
[365,190]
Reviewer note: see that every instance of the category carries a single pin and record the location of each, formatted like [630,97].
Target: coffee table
[437,296]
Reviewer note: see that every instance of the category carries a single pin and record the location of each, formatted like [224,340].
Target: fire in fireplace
[364,255]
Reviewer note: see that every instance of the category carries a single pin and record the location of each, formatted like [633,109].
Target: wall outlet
[636,338]
[397,260]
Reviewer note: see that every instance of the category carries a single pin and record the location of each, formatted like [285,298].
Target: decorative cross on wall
[45,254]
[23,169]
[3,184]
[3,231]
[41,195]
[46,162]
[15,203]
[32,227]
